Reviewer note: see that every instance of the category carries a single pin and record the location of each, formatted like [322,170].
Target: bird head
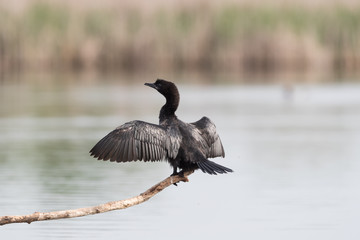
[164,87]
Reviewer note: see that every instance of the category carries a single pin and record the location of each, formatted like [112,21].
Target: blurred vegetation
[228,38]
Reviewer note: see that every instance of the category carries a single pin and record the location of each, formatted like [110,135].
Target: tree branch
[106,207]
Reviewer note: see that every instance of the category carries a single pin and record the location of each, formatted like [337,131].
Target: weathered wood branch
[106,207]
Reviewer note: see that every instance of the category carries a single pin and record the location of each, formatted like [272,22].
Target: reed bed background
[201,37]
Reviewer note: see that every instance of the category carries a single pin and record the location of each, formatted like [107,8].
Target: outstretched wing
[137,140]
[211,143]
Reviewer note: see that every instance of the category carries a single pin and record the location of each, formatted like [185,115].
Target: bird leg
[175,172]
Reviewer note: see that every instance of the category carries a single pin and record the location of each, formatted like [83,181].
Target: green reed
[51,36]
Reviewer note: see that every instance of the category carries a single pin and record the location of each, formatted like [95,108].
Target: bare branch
[106,207]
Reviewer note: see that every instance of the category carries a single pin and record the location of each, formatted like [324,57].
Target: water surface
[295,155]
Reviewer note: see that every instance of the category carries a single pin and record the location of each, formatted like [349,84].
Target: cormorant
[186,146]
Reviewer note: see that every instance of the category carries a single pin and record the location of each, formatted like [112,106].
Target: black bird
[186,146]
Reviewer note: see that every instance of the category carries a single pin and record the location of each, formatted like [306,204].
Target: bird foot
[181,175]
[171,179]
[175,173]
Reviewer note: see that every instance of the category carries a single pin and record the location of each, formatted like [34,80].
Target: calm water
[296,158]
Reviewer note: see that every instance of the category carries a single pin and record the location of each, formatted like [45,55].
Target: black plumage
[186,146]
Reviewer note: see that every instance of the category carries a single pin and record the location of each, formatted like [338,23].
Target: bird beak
[151,85]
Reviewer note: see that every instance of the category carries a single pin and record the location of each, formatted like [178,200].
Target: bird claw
[181,175]
[171,178]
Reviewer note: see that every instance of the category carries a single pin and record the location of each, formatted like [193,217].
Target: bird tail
[212,168]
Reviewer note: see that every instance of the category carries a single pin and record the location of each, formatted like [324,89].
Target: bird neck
[168,110]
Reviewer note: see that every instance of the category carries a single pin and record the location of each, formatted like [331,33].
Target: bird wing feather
[137,140]
[208,137]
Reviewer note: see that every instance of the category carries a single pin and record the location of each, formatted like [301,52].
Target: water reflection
[296,162]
